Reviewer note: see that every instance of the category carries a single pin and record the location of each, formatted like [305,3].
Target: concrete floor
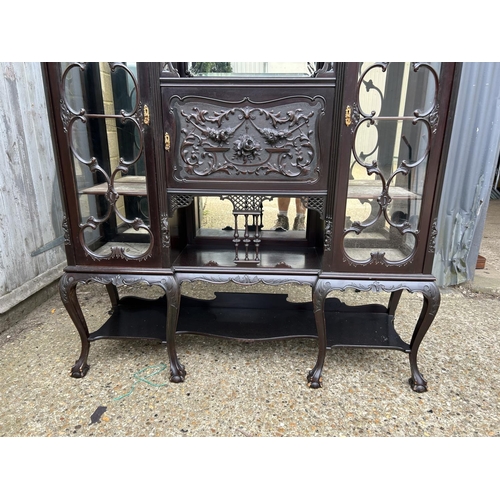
[487,280]
[236,389]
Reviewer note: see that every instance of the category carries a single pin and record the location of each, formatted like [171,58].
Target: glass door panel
[394,117]
[102,116]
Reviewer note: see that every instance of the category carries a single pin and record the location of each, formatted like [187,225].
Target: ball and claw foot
[177,373]
[420,386]
[315,381]
[79,370]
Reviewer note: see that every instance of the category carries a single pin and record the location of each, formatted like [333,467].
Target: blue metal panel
[470,169]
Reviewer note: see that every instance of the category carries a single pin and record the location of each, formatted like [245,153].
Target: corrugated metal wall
[31,241]
[470,169]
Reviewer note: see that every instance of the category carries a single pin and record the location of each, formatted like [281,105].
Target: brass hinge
[348,116]
[167,141]
[146,114]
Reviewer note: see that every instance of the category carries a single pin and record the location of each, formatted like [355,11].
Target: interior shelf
[130,185]
[370,190]
[367,326]
[194,256]
[247,316]
[254,317]
[135,185]
[135,318]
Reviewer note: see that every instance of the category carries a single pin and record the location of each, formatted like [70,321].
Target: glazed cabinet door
[102,117]
[392,128]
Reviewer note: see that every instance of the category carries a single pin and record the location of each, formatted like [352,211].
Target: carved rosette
[220,139]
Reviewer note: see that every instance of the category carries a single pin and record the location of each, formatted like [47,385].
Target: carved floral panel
[272,140]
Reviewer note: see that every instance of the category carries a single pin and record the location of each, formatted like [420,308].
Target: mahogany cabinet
[171,174]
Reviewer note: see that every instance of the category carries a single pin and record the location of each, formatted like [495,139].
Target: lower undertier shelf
[254,317]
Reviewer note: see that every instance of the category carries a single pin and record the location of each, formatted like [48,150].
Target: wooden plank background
[30,203]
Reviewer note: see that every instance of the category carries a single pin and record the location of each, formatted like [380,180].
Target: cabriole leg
[113,294]
[432,299]
[320,291]
[67,290]
[393,302]
[172,289]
